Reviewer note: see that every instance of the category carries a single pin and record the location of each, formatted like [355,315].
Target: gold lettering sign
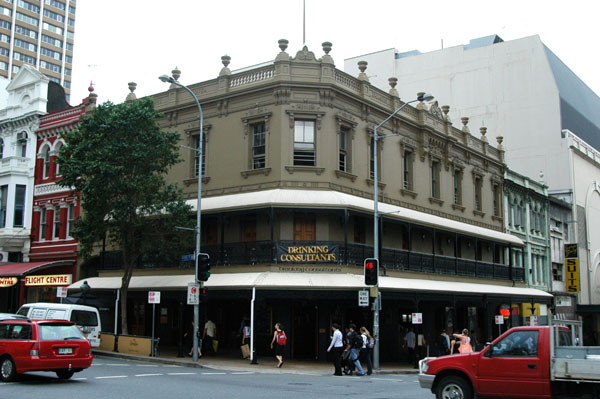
[307,254]
[49,280]
[572,274]
[8,281]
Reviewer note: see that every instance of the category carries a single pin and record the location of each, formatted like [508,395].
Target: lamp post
[376,137]
[172,80]
[85,288]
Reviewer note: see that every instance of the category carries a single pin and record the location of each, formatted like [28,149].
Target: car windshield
[60,332]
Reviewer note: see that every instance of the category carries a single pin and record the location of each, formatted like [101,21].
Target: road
[117,378]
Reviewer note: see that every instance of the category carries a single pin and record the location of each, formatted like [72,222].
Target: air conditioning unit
[22,137]
[3,256]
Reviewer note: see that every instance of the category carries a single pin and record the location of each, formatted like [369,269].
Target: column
[64,211]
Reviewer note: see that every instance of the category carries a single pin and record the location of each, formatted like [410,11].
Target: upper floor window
[497,194]
[3,205]
[57,170]
[43,224]
[46,158]
[56,4]
[258,145]
[22,143]
[343,150]
[457,186]
[52,41]
[19,216]
[304,143]
[52,28]
[5,11]
[71,220]
[28,6]
[197,159]
[407,170]
[53,15]
[27,19]
[372,145]
[26,32]
[56,223]
[435,179]
[477,197]
[1,148]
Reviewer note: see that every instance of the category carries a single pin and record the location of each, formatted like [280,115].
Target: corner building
[287,212]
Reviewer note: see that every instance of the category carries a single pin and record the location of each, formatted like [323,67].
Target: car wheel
[65,374]
[8,370]
[453,387]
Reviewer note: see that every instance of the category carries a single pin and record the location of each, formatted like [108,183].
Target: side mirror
[488,349]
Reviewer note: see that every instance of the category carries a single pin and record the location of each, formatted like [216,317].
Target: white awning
[306,281]
[334,199]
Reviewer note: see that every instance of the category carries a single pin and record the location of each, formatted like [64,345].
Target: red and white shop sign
[153,296]
[8,281]
[50,280]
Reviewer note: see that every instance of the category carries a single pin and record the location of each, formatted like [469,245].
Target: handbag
[215,344]
[245,351]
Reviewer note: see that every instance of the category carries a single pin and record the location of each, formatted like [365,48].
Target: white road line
[111,376]
[147,375]
[172,366]
[117,364]
[182,373]
[214,373]
[243,372]
[386,379]
[79,378]
[147,365]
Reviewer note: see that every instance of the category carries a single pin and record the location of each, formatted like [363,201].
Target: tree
[116,160]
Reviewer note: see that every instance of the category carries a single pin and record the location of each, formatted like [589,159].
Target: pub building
[287,214]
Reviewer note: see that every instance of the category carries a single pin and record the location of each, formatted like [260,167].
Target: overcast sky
[117,42]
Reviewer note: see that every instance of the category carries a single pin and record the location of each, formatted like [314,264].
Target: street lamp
[172,80]
[376,137]
[85,288]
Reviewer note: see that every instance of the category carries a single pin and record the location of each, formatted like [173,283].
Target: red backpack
[281,338]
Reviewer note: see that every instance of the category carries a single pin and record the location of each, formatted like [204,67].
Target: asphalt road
[117,378]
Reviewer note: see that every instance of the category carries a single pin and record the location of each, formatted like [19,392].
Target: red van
[42,345]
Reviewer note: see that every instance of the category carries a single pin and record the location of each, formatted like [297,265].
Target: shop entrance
[304,332]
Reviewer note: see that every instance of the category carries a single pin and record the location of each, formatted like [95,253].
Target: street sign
[185,258]
[154,297]
[363,298]
[193,297]
[417,318]
[499,319]
[61,292]
[533,320]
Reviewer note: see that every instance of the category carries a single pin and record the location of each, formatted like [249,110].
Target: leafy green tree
[117,160]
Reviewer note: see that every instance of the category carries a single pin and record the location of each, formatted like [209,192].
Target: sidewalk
[264,364]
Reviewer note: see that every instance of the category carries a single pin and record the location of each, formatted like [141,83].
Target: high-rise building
[39,33]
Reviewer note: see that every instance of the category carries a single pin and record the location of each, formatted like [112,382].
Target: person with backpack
[279,339]
[355,343]
[365,352]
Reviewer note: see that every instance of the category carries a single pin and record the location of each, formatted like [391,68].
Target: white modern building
[548,117]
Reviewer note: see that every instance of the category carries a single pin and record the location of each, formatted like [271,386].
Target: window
[4,38]
[49,66]
[372,145]
[52,28]
[22,144]
[258,146]
[25,45]
[3,65]
[71,220]
[67,72]
[26,32]
[477,193]
[3,204]
[68,59]
[435,179]
[56,4]
[71,22]
[1,148]
[25,58]
[19,217]
[52,54]
[70,35]
[497,199]
[57,170]
[343,155]
[57,223]
[304,228]
[27,19]
[52,41]
[304,143]
[54,16]
[457,185]
[5,24]
[72,10]
[69,47]
[43,224]
[522,343]
[407,170]
[28,6]
[5,11]
[557,271]
[46,155]
[196,160]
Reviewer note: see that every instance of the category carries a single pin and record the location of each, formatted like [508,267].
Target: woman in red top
[279,339]
[464,341]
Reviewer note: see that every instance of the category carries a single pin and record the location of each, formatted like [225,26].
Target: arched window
[46,153]
[58,146]
[22,143]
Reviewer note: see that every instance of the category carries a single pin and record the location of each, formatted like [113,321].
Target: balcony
[268,252]
[16,165]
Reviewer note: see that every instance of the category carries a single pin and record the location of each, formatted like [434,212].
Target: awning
[334,199]
[22,269]
[306,281]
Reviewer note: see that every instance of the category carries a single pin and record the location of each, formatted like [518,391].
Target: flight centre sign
[308,253]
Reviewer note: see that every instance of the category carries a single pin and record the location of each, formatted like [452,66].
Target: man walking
[355,342]
[210,333]
[410,341]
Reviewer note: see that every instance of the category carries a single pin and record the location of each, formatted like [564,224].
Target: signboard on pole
[154,297]
[499,319]
[572,268]
[61,292]
[193,297]
[417,318]
[363,298]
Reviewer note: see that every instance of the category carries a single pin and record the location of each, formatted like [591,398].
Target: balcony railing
[266,252]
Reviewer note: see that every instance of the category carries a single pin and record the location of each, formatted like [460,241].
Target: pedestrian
[209,335]
[443,343]
[464,342]
[355,343]
[279,339]
[245,348]
[410,342]
[337,346]
[188,338]
[365,352]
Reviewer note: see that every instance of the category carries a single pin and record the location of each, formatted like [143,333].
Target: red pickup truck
[524,362]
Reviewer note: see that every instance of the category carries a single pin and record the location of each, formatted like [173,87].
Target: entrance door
[304,228]
[304,338]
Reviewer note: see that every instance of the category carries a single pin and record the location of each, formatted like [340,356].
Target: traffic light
[203,294]
[371,271]
[203,267]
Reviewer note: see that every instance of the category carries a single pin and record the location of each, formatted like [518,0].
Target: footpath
[263,365]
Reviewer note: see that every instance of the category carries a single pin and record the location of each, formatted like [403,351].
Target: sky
[123,41]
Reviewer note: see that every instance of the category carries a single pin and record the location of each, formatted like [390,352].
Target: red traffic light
[371,271]
[369,265]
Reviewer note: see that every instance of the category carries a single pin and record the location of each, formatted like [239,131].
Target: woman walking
[365,352]
[464,342]
[338,347]
[279,339]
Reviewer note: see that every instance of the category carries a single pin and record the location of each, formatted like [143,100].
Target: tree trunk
[124,327]
[127,272]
